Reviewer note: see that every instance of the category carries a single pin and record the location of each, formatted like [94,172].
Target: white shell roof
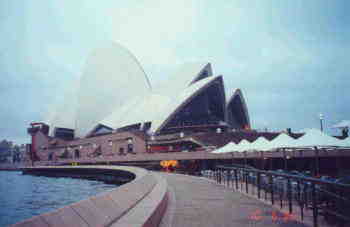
[178,100]
[115,91]
[63,113]
[156,107]
[186,75]
[138,110]
[238,92]
[111,79]
[153,108]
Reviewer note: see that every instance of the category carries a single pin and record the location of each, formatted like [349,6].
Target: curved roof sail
[237,111]
[185,76]
[63,112]
[178,103]
[111,78]
[114,93]
[138,110]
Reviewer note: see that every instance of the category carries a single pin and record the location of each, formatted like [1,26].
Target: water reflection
[23,196]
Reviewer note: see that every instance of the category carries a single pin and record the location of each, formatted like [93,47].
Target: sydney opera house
[116,110]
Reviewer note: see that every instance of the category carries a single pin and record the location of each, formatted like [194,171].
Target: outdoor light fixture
[80,147]
[218,130]
[130,141]
[321,121]
[182,134]
[110,143]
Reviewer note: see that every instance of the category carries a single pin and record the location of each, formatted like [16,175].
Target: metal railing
[328,199]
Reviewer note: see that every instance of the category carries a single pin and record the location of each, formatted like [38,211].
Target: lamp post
[321,121]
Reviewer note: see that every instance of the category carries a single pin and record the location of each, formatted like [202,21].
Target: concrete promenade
[139,203]
[174,200]
[195,201]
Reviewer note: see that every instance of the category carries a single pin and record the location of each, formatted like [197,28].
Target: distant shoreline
[10,167]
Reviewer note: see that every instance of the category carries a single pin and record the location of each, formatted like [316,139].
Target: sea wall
[141,202]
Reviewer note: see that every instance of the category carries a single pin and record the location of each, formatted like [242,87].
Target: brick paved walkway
[195,201]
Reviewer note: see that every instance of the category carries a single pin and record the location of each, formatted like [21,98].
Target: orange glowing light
[288,217]
[256,216]
[274,216]
[168,163]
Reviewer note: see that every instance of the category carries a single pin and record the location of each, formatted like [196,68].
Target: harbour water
[24,196]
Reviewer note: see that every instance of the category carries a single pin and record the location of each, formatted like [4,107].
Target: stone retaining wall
[140,202]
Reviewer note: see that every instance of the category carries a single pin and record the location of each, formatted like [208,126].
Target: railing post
[272,189]
[224,175]
[236,178]
[229,178]
[289,192]
[314,205]
[317,164]
[285,159]
[258,183]
[300,201]
[281,195]
[246,181]
[265,188]
[218,175]
[242,178]
[306,195]
[221,176]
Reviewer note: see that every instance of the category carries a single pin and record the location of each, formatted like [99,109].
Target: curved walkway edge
[140,202]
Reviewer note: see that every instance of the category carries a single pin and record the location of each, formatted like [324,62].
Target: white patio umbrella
[314,137]
[303,130]
[282,140]
[227,148]
[261,144]
[342,124]
[243,145]
[345,142]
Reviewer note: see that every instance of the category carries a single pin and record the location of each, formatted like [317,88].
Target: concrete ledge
[141,202]
[150,210]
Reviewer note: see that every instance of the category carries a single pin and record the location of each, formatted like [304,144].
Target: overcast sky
[290,58]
